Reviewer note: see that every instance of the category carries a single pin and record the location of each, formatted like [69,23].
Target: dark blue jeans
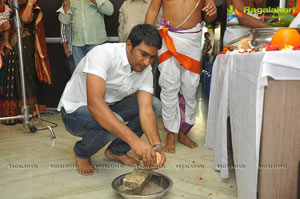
[80,51]
[81,123]
[71,64]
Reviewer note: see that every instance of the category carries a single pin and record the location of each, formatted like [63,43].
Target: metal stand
[25,111]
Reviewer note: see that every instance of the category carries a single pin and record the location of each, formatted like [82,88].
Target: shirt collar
[125,61]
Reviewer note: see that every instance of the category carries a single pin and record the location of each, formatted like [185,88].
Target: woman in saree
[35,59]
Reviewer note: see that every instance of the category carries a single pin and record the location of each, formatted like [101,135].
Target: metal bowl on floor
[264,35]
[161,181]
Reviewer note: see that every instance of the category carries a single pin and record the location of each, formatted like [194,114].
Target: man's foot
[125,159]
[170,143]
[185,140]
[85,166]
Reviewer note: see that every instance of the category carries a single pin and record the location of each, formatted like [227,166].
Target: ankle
[170,134]
[181,134]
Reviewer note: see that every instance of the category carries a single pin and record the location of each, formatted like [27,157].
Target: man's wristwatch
[65,3]
[156,145]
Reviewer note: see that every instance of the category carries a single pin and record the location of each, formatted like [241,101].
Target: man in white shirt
[99,105]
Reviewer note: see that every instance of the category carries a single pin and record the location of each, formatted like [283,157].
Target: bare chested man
[179,63]
[238,25]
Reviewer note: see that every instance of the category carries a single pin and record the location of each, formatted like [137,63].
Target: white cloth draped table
[237,90]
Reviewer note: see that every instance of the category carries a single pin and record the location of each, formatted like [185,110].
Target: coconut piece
[134,182]
[158,157]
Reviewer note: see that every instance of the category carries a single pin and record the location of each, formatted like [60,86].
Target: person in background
[35,60]
[99,105]
[179,63]
[216,49]
[239,25]
[206,49]
[131,13]
[87,19]
[66,40]
[5,12]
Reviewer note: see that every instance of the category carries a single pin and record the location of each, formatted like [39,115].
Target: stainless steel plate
[158,179]
[264,35]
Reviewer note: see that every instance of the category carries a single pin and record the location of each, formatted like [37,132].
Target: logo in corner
[238,13]
[231,9]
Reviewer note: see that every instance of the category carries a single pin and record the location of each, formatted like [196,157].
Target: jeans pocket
[74,125]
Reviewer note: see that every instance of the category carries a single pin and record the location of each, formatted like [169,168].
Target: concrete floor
[36,166]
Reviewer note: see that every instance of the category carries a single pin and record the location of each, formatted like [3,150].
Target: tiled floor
[36,166]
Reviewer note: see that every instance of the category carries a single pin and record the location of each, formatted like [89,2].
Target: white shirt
[108,61]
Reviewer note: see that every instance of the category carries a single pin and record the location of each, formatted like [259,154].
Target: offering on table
[245,43]
[286,36]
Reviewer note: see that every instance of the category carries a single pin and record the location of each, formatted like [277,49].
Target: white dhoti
[234,32]
[179,77]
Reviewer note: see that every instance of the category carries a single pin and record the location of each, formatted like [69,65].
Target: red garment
[41,55]
[2,9]
[11,100]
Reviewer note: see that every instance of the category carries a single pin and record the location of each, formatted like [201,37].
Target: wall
[49,95]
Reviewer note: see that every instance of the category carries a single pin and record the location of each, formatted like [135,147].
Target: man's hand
[94,2]
[210,9]
[66,5]
[32,1]
[67,1]
[144,152]
[67,53]
[159,149]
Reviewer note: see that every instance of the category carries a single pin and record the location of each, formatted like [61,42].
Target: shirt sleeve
[209,46]
[147,84]
[104,6]
[63,33]
[98,62]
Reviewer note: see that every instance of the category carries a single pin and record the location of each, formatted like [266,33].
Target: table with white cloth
[237,91]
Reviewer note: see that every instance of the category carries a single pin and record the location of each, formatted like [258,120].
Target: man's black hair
[206,33]
[147,33]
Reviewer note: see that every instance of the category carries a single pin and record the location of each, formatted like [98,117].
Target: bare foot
[85,166]
[185,140]
[170,143]
[125,159]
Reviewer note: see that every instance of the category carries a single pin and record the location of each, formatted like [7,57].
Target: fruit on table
[286,36]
